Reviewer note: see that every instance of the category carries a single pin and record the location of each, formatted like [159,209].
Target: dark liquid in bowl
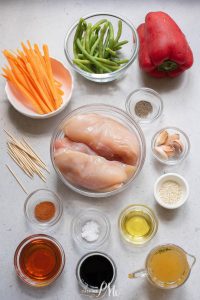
[95,270]
[40,260]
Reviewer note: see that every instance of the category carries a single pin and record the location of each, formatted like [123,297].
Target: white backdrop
[48,21]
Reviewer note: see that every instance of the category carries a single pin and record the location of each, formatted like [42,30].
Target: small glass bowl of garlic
[170,145]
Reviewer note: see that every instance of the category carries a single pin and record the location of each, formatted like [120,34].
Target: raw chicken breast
[70,145]
[92,172]
[105,136]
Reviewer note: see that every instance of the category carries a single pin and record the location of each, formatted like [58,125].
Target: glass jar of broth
[167,266]
[137,224]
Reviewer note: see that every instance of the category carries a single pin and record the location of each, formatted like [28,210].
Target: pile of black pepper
[143,108]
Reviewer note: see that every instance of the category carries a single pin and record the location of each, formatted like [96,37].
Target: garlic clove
[169,150]
[173,137]
[162,138]
[161,153]
[178,146]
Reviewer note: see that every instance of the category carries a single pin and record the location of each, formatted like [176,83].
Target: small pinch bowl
[37,197]
[129,51]
[62,74]
[145,94]
[81,219]
[176,159]
[177,178]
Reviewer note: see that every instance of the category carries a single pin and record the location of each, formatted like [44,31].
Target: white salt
[90,231]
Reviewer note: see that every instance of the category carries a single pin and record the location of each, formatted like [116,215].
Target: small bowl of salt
[90,229]
[171,190]
[145,105]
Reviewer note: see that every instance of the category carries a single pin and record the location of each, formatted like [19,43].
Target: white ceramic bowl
[174,177]
[61,74]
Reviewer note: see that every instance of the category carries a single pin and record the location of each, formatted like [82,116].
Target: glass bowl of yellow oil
[138,224]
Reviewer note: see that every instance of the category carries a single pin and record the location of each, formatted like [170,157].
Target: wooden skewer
[25,157]
[16,179]
[19,164]
[42,164]
[20,157]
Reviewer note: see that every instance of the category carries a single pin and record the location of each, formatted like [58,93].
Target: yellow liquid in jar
[137,227]
[168,266]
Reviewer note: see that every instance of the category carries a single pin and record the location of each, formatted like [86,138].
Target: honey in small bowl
[39,260]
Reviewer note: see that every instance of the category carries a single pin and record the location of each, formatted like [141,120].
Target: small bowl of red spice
[43,208]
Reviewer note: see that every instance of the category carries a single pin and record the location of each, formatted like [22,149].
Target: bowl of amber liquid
[167,266]
[39,260]
[137,224]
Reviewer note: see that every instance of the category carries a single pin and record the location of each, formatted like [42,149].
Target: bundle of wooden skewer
[26,158]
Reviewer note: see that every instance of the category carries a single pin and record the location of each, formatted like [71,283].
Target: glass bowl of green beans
[101,46]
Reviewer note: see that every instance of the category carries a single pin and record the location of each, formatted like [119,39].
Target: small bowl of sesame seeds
[145,105]
[171,190]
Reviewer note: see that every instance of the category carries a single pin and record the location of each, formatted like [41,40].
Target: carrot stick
[50,73]
[29,67]
[42,105]
[24,92]
[44,90]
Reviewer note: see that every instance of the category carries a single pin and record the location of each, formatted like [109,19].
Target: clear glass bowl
[95,292]
[17,255]
[144,94]
[147,211]
[81,220]
[37,197]
[117,114]
[129,50]
[177,158]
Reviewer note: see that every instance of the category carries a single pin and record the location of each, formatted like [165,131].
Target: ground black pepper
[143,108]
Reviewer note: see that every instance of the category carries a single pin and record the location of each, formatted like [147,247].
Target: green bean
[77,35]
[107,61]
[102,33]
[94,27]
[114,68]
[120,44]
[80,55]
[94,46]
[93,38]
[84,68]
[87,37]
[110,51]
[119,32]
[118,48]
[106,42]
[120,62]
[111,41]
[90,57]
[82,61]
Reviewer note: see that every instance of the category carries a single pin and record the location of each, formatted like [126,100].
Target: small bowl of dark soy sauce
[96,273]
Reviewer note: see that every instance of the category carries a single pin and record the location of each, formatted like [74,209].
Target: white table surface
[48,21]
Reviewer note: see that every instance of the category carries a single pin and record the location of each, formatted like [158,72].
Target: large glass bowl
[129,50]
[120,116]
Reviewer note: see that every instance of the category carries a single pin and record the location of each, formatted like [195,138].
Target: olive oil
[138,224]
[168,266]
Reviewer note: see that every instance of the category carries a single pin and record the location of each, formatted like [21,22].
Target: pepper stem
[167,66]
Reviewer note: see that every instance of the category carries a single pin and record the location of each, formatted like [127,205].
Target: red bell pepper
[164,50]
